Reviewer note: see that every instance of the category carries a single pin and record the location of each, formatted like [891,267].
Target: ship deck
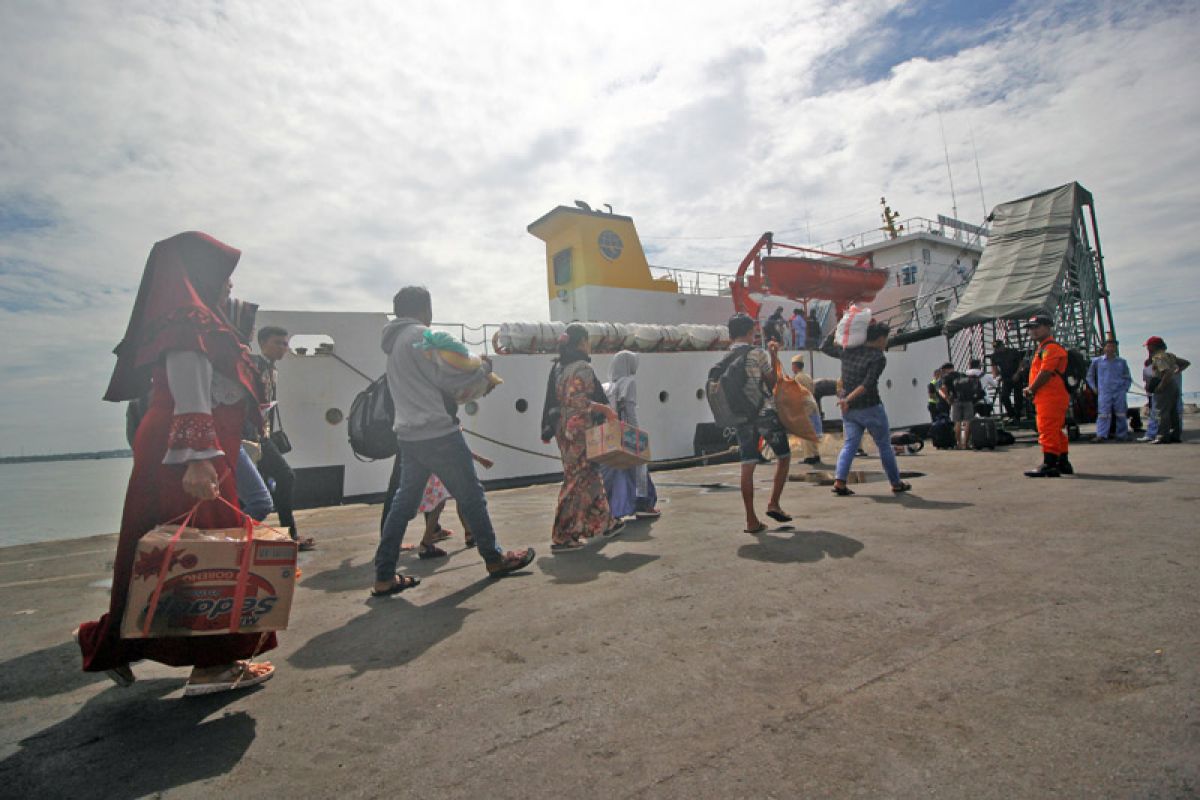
[987,636]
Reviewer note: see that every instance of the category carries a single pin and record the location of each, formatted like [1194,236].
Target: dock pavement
[988,636]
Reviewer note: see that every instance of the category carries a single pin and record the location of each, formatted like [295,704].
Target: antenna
[978,174]
[949,172]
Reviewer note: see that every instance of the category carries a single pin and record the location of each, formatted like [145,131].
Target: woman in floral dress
[582,503]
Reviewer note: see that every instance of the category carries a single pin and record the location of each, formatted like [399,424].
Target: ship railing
[695,281]
[910,225]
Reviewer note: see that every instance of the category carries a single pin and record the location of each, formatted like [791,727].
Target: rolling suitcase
[983,433]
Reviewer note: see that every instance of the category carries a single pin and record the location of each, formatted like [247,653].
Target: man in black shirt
[862,408]
[1006,362]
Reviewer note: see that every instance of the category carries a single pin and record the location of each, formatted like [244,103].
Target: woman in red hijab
[181,345]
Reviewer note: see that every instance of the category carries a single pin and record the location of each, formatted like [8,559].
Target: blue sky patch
[929,29]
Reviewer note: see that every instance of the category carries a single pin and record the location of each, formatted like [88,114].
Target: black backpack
[370,422]
[1077,370]
[726,390]
[968,389]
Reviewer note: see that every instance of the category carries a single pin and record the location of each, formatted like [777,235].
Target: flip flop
[122,676]
[617,527]
[778,516]
[306,544]
[842,491]
[568,547]
[762,526]
[901,487]
[406,582]
[432,551]
[240,677]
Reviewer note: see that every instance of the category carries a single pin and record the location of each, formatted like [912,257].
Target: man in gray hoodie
[431,442]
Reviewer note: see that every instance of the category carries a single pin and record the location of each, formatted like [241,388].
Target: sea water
[51,500]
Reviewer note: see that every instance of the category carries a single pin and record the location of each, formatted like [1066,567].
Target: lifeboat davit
[804,274]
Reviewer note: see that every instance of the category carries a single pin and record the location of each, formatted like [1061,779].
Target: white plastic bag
[852,327]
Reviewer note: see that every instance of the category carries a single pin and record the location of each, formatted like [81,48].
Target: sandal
[649,513]
[761,527]
[242,675]
[901,487]
[842,491]
[617,526]
[442,534]
[567,547]
[431,551]
[512,561]
[778,515]
[304,545]
[398,586]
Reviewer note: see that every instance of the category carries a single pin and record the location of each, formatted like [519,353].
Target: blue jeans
[252,492]
[449,458]
[873,420]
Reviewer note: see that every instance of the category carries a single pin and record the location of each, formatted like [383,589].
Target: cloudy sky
[348,148]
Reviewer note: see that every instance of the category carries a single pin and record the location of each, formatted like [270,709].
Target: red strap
[239,594]
[152,609]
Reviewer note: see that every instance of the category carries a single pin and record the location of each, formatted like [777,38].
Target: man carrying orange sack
[1048,390]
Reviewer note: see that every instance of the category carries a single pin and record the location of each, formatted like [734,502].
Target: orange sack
[795,406]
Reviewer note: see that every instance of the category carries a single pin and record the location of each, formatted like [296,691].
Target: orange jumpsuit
[1052,399]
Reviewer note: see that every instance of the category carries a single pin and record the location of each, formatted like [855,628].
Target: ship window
[908,275]
[522,405]
[562,267]
[610,245]
[472,408]
[663,397]
[926,258]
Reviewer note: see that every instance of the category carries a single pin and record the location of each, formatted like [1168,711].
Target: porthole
[889,383]
[699,394]
[663,397]
[610,245]
[334,415]
[522,406]
[914,383]
[471,408]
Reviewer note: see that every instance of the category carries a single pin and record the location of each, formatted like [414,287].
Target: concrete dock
[988,636]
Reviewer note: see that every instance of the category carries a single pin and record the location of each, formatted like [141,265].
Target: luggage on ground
[983,433]
[942,433]
[1004,438]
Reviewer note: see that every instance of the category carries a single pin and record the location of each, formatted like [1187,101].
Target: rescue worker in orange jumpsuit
[1048,390]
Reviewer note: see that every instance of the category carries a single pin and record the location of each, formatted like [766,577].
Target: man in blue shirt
[799,328]
[1110,379]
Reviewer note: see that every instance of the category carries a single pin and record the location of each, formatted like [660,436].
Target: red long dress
[178,309]
[155,496]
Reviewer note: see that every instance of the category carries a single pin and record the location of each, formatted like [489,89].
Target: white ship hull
[317,388]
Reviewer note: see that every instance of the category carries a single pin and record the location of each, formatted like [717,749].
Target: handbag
[278,439]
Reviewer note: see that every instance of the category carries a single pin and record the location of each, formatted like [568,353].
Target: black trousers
[1011,399]
[273,466]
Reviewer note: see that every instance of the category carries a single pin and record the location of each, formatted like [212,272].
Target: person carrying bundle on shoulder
[862,407]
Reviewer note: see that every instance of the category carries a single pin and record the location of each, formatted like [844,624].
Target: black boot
[1064,466]
[1048,469]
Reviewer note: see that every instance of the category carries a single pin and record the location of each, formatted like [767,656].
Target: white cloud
[349,148]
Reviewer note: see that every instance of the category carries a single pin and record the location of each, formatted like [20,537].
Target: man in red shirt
[1048,390]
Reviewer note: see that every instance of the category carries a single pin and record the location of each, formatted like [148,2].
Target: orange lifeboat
[803,274]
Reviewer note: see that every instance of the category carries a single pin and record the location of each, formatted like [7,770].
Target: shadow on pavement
[802,547]
[126,743]
[910,500]
[45,673]
[392,631]
[586,565]
[1083,476]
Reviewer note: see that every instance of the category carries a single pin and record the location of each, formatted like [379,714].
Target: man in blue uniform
[1110,379]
